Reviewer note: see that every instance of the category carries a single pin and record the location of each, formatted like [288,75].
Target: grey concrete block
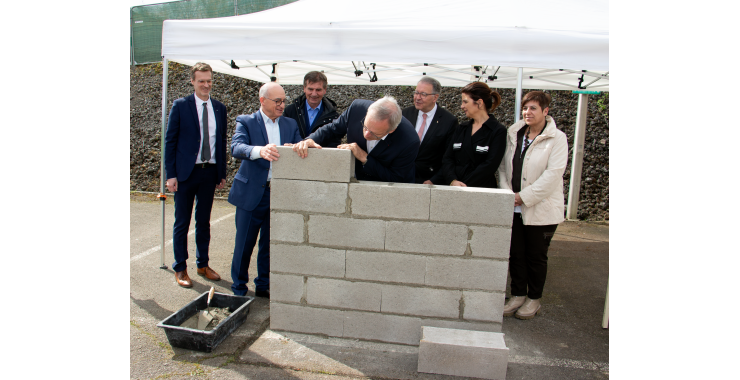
[419,237]
[308,196]
[472,205]
[343,294]
[305,260]
[398,200]
[462,273]
[420,301]
[463,325]
[484,306]
[286,227]
[386,267]
[382,327]
[490,242]
[463,353]
[304,319]
[346,232]
[286,288]
[327,164]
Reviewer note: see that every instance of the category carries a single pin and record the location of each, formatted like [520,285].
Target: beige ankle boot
[529,309]
[514,303]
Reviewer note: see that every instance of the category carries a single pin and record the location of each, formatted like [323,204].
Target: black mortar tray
[200,340]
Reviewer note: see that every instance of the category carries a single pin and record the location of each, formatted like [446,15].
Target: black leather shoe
[262,293]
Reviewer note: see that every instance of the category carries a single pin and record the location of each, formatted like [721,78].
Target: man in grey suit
[434,125]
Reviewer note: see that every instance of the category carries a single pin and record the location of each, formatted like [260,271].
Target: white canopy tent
[535,44]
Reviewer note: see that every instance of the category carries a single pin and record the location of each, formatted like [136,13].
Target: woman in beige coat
[533,166]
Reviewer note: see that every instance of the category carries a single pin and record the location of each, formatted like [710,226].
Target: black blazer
[474,160]
[392,160]
[432,149]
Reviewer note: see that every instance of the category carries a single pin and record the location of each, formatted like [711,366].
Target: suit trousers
[528,257]
[248,225]
[199,188]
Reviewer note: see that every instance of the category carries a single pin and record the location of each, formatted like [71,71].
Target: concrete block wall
[377,261]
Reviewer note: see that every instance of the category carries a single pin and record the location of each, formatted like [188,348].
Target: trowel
[205,317]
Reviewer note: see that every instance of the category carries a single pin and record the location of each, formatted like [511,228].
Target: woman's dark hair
[480,90]
[542,98]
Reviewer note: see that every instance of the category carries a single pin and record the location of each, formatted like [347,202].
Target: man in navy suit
[383,142]
[195,166]
[254,142]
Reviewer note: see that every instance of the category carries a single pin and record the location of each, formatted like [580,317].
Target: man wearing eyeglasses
[434,125]
[254,142]
[382,141]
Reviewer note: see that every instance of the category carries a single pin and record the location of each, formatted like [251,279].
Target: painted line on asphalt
[169,242]
[567,363]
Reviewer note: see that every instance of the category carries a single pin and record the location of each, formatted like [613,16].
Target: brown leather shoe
[209,273]
[183,279]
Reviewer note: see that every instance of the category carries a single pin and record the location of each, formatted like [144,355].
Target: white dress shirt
[273,137]
[420,119]
[211,128]
[372,143]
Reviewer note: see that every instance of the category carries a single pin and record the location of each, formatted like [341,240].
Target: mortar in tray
[201,340]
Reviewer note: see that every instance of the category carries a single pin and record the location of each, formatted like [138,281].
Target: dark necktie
[205,152]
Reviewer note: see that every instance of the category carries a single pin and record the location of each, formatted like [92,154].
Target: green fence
[146,20]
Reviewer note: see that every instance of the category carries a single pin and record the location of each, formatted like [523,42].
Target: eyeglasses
[278,101]
[422,94]
[364,128]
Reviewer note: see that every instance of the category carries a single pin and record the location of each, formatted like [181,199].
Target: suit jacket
[297,111]
[249,181]
[474,160]
[392,160]
[432,149]
[182,140]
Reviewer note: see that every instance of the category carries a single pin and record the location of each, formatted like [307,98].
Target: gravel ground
[240,97]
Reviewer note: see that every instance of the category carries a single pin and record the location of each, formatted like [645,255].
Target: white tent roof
[553,40]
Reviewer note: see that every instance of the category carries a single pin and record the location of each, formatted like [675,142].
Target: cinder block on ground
[386,267]
[483,306]
[463,353]
[327,164]
[305,260]
[308,196]
[463,273]
[399,200]
[304,319]
[343,294]
[415,301]
[462,325]
[383,327]
[490,242]
[419,237]
[286,288]
[471,205]
[286,227]
[346,232]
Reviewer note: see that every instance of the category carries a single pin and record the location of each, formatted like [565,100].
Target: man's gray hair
[436,87]
[386,108]
[266,87]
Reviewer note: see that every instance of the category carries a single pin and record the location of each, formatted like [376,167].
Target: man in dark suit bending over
[434,125]
[383,142]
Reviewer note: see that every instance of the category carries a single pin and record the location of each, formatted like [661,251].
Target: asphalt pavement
[566,341]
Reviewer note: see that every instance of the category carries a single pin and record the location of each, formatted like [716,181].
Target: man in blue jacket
[382,141]
[254,142]
[195,166]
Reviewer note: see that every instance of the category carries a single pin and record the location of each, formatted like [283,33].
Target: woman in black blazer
[478,145]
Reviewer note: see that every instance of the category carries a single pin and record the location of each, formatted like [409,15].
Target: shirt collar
[308,106]
[200,101]
[430,112]
[267,119]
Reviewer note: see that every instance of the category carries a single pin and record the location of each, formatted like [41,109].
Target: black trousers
[528,257]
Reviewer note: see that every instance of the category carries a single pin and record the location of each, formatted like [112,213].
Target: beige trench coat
[542,174]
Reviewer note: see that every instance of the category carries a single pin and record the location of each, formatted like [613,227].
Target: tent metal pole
[577,161]
[162,198]
[518,103]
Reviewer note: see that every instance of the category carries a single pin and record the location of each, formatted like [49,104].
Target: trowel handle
[210,295]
